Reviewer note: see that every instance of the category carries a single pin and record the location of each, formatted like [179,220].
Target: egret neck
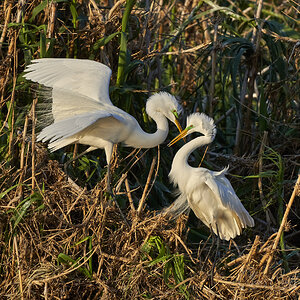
[143,139]
[180,164]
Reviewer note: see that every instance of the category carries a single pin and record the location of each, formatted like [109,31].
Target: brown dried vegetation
[66,239]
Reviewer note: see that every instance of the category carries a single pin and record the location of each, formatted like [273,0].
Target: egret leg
[210,248]
[213,238]
[110,192]
[216,256]
[108,153]
[107,184]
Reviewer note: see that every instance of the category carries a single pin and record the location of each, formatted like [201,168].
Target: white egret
[83,113]
[209,194]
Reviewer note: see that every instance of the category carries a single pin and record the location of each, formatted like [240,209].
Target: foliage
[237,61]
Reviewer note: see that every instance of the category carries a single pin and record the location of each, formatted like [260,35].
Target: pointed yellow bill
[177,122]
[178,125]
[181,135]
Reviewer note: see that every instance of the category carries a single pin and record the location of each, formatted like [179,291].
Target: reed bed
[62,237]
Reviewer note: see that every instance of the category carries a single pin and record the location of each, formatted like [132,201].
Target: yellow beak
[181,135]
[178,125]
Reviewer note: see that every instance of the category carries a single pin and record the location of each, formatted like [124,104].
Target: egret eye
[174,112]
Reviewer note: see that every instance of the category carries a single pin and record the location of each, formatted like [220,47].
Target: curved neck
[143,139]
[182,155]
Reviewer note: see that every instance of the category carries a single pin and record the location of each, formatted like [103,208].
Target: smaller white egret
[209,194]
[83,113]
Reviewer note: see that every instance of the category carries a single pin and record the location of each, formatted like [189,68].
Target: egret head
[164,104]
[197,122]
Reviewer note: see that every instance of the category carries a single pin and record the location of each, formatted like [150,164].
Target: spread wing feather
[85,77]
[74,125]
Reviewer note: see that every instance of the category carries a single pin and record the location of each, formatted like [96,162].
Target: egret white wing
[224,191]
[229,196]
[82,76]
[65,104]
[74,125]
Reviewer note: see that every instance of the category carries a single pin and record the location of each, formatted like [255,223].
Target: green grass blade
[123,43]
[66,259]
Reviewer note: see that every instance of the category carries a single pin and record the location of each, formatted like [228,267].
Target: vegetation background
[238,61]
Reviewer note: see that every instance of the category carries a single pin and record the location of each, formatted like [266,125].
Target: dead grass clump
[235,61]
[73,244]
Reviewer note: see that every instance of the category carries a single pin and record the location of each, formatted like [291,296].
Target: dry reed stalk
[188,251]
[160,33]
[134,159]
[250,286]
[19,267]
[257,30]
[5,79]
[207,37]
[248,258]
[244,122]
[189,51]
[264,248]
[33,116]
[240,114]
[75,202]
[114,8]
[21,5]
[129,196]
[203,157]
[4,30]
[279,37]
[260,185]
[22,158]
[143,198]
[68,271]
[51,23]
[5,5]
[243,270]
[114,257]
[213,70]
[256,38]
[23,142]
[75,151]
[74,185]
[12,97]
[156,171]
[95,7]
[228,112]
[146,33]
[282,225]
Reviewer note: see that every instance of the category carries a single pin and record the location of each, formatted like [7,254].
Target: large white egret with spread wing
[83,113]
[209,194]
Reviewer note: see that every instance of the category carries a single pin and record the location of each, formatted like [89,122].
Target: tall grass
[237,61]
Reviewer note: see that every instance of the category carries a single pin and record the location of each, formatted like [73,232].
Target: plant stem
[123,43]
[213,71]
[284,220]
